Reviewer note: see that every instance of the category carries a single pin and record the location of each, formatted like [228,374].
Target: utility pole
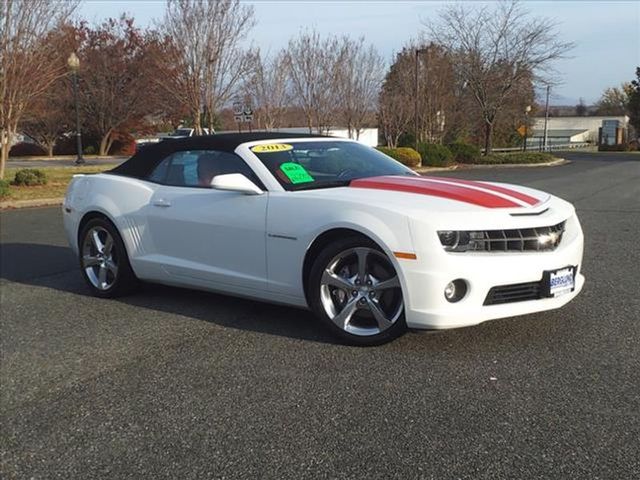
[546,121]
[415,107]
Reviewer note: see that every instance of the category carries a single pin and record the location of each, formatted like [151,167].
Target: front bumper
[425,281]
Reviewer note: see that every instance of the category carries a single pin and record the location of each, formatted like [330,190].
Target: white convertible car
[325,223]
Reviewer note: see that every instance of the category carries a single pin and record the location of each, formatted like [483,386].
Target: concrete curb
[464,166]
[435,169]
[36,202]
[554,163]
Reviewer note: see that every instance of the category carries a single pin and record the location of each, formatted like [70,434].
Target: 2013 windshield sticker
[296,173]
[271,148]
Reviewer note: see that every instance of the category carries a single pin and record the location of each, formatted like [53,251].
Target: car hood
[443,194]
[444,200]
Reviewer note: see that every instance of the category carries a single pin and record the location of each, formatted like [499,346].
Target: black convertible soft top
[145,160]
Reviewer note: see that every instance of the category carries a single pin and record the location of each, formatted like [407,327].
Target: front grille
[519,239]
[519,292]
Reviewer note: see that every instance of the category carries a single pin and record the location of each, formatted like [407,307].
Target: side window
[196,168]
[159,174]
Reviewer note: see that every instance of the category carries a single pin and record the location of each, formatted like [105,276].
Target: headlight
[461,241]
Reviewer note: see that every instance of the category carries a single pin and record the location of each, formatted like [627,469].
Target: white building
[368,136]
[562,130]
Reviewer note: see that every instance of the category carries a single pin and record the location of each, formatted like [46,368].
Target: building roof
[146,159]
[565,133]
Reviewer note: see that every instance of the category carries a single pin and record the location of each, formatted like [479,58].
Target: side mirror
[235,182]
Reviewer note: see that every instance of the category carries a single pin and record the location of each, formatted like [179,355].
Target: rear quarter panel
[121,199]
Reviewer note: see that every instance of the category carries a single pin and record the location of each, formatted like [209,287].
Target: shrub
[621,147]
[89,150]
[125,144]
[4,188]
[407,139]
[516,158]
[435,155]
[464,152]
[26,149]
[406,156]
[29,177]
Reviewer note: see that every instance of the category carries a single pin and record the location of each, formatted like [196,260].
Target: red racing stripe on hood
[494,188]
[425,186]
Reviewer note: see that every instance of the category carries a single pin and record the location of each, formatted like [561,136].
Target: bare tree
[208,37]
[431,111]
[268,89]
[28,63]
[359,73]
[311,62]
[396,101]
[493,48]
[50,116]
[581,108]
[615,100]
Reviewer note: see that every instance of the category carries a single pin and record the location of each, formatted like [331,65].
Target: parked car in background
[184,132]
[328,224]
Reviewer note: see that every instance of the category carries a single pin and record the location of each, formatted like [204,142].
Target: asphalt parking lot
[173,383]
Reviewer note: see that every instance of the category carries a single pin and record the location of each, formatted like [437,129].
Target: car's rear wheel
[355,290]
[103,260]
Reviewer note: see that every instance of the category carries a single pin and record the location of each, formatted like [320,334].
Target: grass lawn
[57,180]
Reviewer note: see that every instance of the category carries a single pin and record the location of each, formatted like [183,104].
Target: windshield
[307,165]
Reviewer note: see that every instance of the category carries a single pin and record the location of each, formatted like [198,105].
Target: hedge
[29,177]
[4,188]
[406,156]
[516,158]
[464,152]
[435,155]
[622,147]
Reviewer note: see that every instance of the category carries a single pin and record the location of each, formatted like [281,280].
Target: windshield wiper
[313,186]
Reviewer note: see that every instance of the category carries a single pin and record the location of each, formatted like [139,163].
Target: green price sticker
[295,173]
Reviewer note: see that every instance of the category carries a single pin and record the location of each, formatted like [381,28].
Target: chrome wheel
[99,258]
[360,292]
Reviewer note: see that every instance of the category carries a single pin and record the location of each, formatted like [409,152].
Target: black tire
[124,281]
[314,295]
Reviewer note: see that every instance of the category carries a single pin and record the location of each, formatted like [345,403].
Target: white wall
[577,123]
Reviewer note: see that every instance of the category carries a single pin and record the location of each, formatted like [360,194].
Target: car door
[202,236]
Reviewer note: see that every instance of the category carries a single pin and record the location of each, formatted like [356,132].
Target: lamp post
[546,121]
[527,109]
[73,63]
[415,111]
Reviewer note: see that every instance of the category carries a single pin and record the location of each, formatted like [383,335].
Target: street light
[527,109]
[418,52]
[73,63]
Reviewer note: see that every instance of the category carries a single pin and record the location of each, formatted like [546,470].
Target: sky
[606,34]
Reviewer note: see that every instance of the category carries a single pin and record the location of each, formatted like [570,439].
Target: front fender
[293,227]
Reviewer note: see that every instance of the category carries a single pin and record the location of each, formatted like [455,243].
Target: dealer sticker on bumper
[560,282]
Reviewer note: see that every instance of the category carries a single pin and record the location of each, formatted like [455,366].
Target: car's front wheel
[103,260]
[355,290]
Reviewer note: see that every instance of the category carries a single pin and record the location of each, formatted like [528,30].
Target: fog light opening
[455,290]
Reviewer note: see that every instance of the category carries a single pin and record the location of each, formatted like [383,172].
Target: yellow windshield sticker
[271,148]
[296,173]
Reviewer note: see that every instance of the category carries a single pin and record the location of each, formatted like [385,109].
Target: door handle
[161,202]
